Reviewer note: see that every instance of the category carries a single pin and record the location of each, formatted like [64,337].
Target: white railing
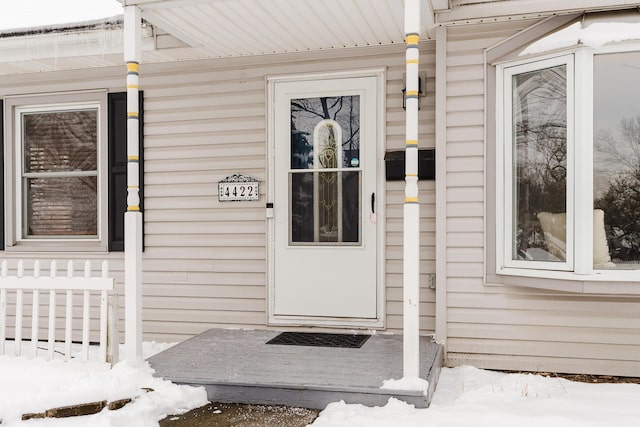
[53,284]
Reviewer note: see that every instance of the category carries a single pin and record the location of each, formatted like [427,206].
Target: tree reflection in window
[616,153]
[325,175]
[540,157]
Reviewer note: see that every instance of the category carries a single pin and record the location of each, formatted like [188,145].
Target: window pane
[539,165]
[306,115]
[61,207]
[60,160]
[60,141]
[617,160]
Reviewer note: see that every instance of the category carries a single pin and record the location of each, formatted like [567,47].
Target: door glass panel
[302,205]
[350,206]
[307,113]
[325,174]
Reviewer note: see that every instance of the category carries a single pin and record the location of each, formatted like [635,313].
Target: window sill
[602,282]
[31,246]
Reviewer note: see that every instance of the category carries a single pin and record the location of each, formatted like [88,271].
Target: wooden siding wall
[204,261]
[511,327]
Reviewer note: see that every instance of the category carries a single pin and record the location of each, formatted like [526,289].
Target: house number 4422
[238,191]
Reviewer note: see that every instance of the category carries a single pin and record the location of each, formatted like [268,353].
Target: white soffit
[214,28]
[232,28]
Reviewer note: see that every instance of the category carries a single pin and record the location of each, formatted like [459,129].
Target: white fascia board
[164,4]
[474,13]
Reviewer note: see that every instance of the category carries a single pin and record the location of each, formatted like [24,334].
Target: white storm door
[325,232]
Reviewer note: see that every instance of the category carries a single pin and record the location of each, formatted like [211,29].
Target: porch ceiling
[232,28]
[177,30]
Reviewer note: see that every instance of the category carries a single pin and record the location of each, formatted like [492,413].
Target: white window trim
[14,107]
[505,156]
[580,160]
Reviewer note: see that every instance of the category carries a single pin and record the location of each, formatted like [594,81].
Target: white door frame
[379,322]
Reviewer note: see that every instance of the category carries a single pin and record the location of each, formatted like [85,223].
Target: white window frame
[505,162]
[580,204]
[15,107]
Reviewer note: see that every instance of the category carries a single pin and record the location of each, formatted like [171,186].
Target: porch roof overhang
[234,28]
[180,30]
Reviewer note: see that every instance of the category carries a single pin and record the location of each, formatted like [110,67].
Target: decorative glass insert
[60,173]
[616,159]
[325,174]
[539,138]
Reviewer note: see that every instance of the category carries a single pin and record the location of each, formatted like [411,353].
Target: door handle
[373,202]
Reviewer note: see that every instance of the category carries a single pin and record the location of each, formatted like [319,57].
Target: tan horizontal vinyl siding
[204,261]
[512,327]
[203,124]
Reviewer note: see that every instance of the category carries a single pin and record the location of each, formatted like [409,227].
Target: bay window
[568,163]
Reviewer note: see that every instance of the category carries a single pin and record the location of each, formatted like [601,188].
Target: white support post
[411,263]
[133,216]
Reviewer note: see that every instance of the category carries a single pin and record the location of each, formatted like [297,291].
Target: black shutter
[117,106]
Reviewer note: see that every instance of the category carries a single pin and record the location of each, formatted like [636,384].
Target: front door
[325,180]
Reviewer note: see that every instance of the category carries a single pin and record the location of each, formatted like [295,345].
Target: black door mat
[319,339]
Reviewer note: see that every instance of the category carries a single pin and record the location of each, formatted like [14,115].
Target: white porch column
[133,216]
[411,270]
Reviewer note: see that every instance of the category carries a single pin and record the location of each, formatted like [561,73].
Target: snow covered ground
[471,397]
[34,386]
[465,396]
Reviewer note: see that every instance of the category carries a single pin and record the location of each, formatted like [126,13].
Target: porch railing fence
[14,303]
